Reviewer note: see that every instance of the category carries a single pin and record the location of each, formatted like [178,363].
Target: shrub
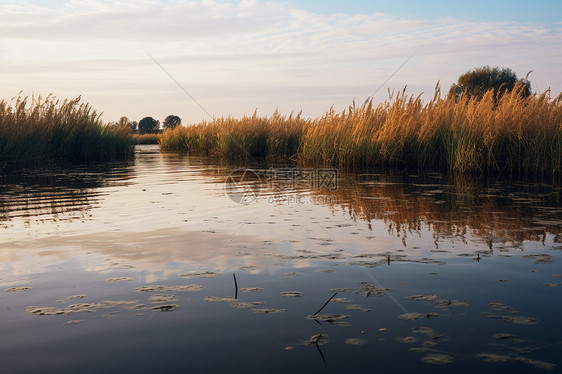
[479,81]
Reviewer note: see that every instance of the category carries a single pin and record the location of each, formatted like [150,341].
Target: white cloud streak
[237,56]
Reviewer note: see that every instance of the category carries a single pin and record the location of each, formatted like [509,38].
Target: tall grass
[46,130]
[248,137]
[492,135]
[146,138]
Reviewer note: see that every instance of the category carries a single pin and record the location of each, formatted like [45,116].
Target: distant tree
[148,125]
[134,125]
[171,122]
[125,123]
[120,128]
[478,81]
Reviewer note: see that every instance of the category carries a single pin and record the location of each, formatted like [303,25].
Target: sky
[199,59]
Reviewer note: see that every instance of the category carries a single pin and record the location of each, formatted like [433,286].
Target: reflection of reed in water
[456,207]
[55,195]
[494,210]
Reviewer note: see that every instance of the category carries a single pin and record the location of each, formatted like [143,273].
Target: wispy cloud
[237,56]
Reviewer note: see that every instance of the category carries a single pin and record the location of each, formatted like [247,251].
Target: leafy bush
[479,81]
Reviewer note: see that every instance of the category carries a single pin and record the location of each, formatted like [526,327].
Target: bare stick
[326,303]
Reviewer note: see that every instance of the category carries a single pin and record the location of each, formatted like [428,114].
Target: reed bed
[48,130]
[146,138]
[510,134]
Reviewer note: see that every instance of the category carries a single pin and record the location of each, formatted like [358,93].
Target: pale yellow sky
[239,56]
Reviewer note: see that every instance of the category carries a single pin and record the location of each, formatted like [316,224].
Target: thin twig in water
[235,286]
[326,303]
[320,351]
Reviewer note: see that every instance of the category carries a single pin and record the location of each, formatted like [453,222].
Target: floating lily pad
[336,319]
[355,341]
[423,297]
[492,357]
[437,359]
[162,298]
[292,294]
[19,289]
[78,308]
[268,310]
[318,339]
[246,304]
[407,340]
[73,297]
[539,364]
[74,322]
[504,335]
[250,289]
[372,290]
[203,274]
[216,299]
[325,270]
[290,275]
[551,284]
[250,268]
[446,304]
[165,308]
[502,308]
[540,258]
[519,320]
[358,307]
[341,300]
[429,343]
[119,279]
[419,349]
[428,331]
[160,288]
[343,289]
[414,316]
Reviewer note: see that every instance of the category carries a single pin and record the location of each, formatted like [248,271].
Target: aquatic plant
[146,138]
[511,135]
[46,130]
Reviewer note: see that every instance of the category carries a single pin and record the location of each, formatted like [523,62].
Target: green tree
[478,81]
[171,122]
[125,123]
[148,125]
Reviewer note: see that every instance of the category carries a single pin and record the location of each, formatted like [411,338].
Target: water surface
[169,264]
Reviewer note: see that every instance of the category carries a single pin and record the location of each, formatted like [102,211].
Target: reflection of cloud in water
[150,253]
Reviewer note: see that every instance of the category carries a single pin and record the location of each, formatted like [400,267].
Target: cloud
[265,54]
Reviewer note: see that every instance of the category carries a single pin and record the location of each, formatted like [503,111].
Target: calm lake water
[177,264]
